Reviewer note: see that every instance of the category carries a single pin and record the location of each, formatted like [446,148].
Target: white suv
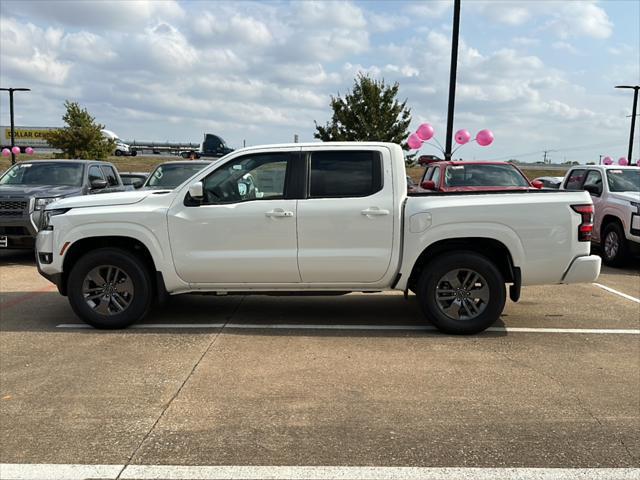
[615,192]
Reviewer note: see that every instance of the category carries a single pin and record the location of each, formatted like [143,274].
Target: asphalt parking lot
[354,384]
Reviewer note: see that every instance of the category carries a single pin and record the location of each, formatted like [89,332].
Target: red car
[475,176]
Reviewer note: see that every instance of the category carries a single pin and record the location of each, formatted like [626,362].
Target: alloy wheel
[108,290]
[462,294]
[611,244]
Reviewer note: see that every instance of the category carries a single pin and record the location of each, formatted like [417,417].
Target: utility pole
[635,89]
[545,155]
[13,140]
[452,78]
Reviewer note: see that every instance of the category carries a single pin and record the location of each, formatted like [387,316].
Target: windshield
[58,173]
[624,180]
[170,176]
[131,179]
[484,176]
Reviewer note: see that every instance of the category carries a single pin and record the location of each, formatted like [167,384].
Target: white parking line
[304,326]
[37,471]
[623,295]
[170,472]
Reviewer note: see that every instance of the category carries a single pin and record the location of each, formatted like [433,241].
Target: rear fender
[416,243]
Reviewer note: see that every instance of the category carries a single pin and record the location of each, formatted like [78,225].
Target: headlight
[43,202]
[45,219]
[637,205]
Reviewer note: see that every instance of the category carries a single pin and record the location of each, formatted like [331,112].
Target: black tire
[118,153]
[82,277]
[134,153]
[487,296]
[614,245]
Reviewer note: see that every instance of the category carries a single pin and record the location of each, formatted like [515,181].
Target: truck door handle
[279,212]
[375,211]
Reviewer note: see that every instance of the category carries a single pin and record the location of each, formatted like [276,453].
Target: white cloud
[87,47]
[525,41]
[97,14]
[430,9]
[337,14]
[512,16]
[386,23]
[233,29]
[566,47]
[576,19]
[565,19]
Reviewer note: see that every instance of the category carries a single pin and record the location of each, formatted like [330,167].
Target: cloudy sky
[540,74]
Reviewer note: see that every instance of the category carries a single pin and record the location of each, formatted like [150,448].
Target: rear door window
[342,174]
[575,180]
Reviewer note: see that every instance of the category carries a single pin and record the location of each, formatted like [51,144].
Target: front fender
[118,229]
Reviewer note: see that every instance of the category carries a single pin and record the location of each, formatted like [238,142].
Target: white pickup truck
[314,218]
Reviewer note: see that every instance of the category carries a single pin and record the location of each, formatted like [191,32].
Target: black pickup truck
[27,187]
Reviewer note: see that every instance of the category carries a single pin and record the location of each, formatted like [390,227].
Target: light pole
[452,78]
[633,118]
[13,140]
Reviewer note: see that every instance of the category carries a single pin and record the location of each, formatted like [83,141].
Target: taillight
[585,229]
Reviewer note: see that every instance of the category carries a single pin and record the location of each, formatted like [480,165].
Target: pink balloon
[484,138]
[623,161]
[607,160]
[414,141]
[425,132]
[6,152]
[28,151]
[462,136]
[16,150]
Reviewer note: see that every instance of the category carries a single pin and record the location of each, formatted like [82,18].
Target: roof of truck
[63,160]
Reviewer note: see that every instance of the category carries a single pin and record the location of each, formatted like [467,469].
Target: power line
[567,149]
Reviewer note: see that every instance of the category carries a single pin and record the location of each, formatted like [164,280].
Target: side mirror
[196,190]
[137,183]
[98,184]
[428,185]
[537,184]
[593,189]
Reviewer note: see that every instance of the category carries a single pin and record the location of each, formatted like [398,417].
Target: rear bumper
[583,270]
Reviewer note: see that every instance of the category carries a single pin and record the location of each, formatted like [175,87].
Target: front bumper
[49,265]
[583,270]
[20,230]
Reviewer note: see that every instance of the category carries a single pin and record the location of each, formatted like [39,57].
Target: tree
[370,112]
[82,137]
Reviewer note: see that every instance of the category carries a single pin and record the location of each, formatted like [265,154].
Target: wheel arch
[129,244]
[493,249]
[610,218]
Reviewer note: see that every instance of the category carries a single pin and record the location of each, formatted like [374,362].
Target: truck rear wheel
[110,288]
[462,293]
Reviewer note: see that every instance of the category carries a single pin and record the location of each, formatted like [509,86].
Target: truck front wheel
[110,288]
[462,293]
[614,245]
